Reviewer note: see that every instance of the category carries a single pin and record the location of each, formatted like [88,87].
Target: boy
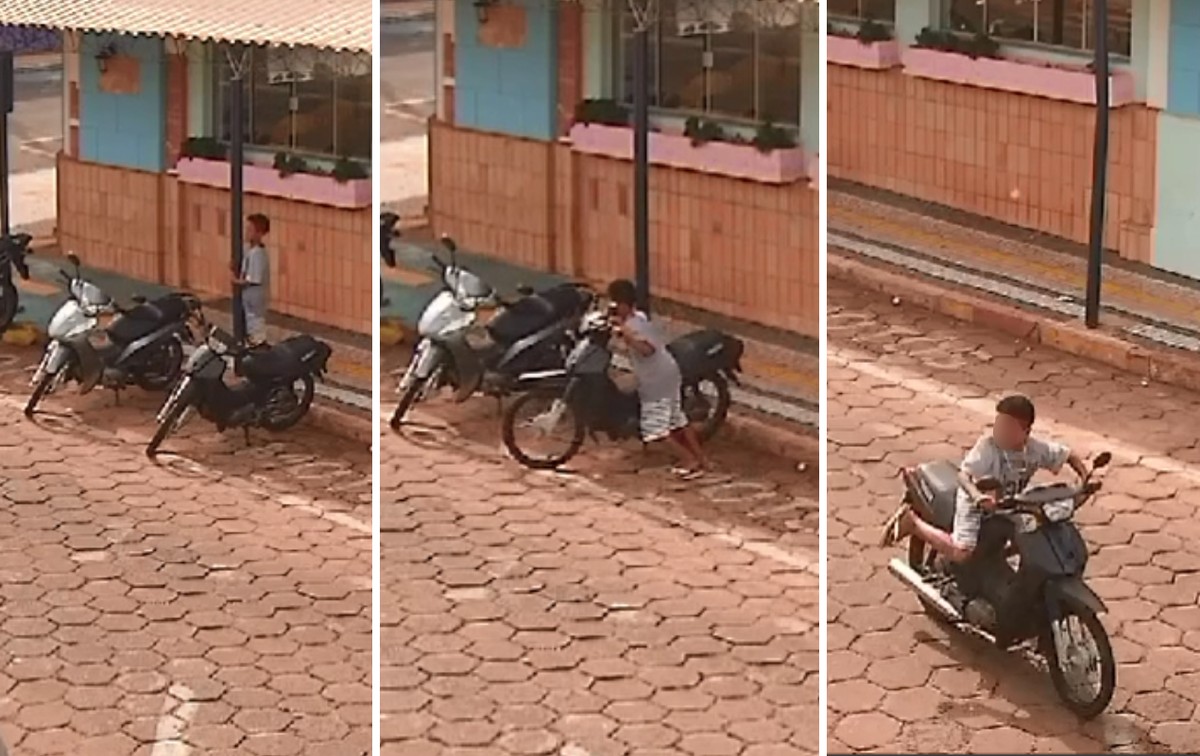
[255,279]
[659,382]
[1010,455]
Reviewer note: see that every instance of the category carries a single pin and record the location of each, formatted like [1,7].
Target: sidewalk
[1020,281]
[780,387]
[345,399]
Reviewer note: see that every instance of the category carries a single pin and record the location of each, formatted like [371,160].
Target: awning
[326,24]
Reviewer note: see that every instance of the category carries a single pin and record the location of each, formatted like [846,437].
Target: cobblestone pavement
[907,386]
[605,611]
[215,603]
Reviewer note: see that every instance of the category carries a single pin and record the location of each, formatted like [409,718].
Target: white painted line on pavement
[868,364]
[177,713]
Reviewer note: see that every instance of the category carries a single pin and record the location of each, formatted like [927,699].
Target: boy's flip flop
[893,529]
[687,473]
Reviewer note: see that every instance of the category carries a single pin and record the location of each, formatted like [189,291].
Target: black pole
[1099,166]
[641,162]
[7,100]
[237,159]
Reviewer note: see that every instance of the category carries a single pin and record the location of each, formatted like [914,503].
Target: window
[740,61]
[311,102]
[861,10]
[1061,23]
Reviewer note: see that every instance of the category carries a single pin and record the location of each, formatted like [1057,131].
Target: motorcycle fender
[425,360]
[1072,590]
[171,330]
[467,369]
[91,367]
[543,380]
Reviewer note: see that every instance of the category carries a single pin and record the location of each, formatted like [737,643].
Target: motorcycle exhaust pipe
[908,575]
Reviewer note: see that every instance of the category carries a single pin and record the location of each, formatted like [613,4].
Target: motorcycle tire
[9,304]
[508,433]
[1108,665]
[303,403]
[407,400]
[172,361]
[719,414]
[166,427]
[39,392]
[920,558]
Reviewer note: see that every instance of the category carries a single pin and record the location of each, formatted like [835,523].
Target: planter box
[674,150]
[1012,75]
[265,180]
[878,56]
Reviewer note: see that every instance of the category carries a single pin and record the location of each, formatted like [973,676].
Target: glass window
[725,61]
[1060,23]
[861,10]
[307,101]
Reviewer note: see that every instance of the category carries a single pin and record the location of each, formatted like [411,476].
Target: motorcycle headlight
[1059,511]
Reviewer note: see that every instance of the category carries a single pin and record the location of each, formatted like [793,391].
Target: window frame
[1042,51]
[853,22]
[674,118]
[265,153]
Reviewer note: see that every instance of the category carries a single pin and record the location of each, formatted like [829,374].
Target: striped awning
[326,24]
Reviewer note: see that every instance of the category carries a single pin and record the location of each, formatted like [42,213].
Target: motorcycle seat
[289,359]
[938,482]
[530,314]
[702,352]
[143,319]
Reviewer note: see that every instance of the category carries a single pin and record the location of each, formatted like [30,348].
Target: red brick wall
[570,62]
[1019,159]
[733,247]
[177,106]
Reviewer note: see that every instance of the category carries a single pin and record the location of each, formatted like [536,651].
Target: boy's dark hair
[622,291]
[261,222]
[1019,407]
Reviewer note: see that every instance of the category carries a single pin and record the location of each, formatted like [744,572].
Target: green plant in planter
[978,45]
[871,31]
[288,164]
[770,137]
[346,170]
[605,112]
[204,148]
[701,131]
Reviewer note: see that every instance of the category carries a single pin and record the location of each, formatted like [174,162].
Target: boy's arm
[635,341]
[975,465]
[1077,464]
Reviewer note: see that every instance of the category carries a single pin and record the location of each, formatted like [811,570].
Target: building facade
[531,147]
[1008,133]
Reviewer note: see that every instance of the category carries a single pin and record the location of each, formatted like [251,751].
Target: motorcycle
[584,395]
[142,346]
[533,333]
[387,252]
[13,251]
[1043,598]
[266,397]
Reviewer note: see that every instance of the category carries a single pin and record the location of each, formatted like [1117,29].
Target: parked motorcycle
[582,398]
[533,333]
[275,393]
[141,346]
[13,250]
[1043,599]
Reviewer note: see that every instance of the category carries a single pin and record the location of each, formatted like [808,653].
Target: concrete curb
[800,443]
[347,424]
[1066,336]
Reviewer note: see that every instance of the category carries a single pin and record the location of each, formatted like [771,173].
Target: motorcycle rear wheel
[550,462]
[297,412]
[167,365]
[8,304]
[718,414]
[1084,709]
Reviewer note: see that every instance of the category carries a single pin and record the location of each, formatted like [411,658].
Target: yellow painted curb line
[22,335]
[392,333]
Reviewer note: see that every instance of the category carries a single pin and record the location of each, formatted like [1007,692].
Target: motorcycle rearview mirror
[1102,460]
[74,260]
[452,248]
[988,485]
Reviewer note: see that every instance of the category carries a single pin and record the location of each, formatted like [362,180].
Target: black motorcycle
[582,399]
[1042,598]
[535,332]
[276,391]
[13,250]
[141,346]
[387,251]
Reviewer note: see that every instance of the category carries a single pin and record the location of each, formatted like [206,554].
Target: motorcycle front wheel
[407,400]
[545,413]
[162,367]
[288,406]
[39,392]
[170,421]
[1086,679]
[8,304]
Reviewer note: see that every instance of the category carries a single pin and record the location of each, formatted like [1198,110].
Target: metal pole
[641,160]
[7,97]
[237,160]
[1099,166]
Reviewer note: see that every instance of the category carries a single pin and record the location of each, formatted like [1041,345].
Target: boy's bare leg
[692,440]
[687,457]
[941,541]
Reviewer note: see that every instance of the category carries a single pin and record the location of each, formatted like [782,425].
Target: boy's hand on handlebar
[987,501]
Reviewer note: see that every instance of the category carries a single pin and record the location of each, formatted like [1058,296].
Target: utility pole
[1099,166]
[641,152]
[7,101]
[239,58]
